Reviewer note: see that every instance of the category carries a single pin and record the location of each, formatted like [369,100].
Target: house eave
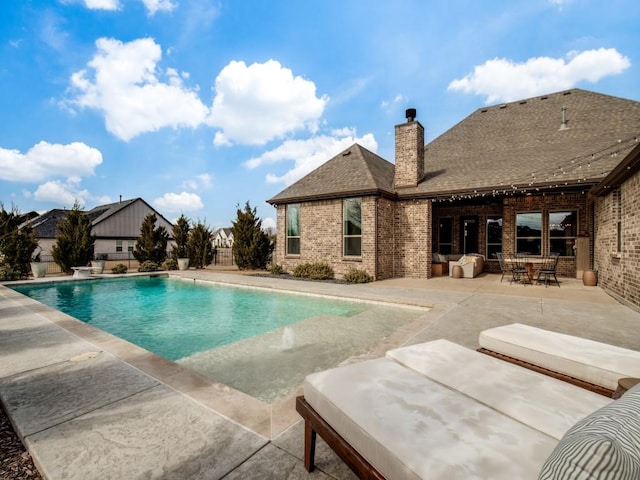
[624,170]
[332,196]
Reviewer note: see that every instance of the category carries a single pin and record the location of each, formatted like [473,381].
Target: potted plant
[97,265]
[183,263]
[38,268]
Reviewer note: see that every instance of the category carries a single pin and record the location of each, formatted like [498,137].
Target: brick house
[508,178]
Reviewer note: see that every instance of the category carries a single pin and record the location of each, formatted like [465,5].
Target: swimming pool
[260,342]
[176,319]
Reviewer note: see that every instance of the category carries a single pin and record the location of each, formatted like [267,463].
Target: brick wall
[321,237]
[386,239]
[409,151]
[412,225]
[619,271]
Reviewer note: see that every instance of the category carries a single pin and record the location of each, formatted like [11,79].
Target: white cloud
[269,223]
[203,181]
[263,101]
[122,82]
[45,160]
[307,155]
[503,80]
[154,6]
[62,193]
[179,202]
[389,105]
[102,4]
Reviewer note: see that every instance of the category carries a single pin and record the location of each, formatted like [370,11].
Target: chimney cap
[410,114]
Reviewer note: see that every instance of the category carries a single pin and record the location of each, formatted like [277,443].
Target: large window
[529,233]
[494,236]
[293,229]
[563,227]
[445,236]
[352,226]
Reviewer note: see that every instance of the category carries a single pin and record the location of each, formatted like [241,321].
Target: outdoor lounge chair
[440,410]
[592,365]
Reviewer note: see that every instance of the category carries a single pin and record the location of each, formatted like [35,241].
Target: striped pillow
[603,445]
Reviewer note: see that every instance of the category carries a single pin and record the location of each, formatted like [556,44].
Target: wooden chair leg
[309,446]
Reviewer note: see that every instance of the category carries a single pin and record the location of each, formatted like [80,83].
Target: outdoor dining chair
[505,267]
[548,270]
[520,271]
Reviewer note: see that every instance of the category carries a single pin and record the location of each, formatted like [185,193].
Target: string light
[574,164]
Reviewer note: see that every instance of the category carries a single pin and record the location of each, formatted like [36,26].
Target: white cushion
[410,427]
[594,362]
[541,402]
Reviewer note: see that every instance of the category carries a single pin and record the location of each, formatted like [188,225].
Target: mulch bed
[15,461]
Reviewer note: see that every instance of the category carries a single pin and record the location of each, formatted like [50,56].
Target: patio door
[469,234]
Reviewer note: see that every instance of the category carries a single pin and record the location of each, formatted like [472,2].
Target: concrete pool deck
[88,405]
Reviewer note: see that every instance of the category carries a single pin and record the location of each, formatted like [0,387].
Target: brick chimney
[409,152]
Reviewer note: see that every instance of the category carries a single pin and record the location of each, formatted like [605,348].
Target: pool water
[177,319]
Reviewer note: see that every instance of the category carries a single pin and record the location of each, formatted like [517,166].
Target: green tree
[251,246]
[152,244]
[16,244]
[200,246]
[74,242]
[180,233]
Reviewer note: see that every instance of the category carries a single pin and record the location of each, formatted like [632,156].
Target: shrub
[200,246]
[119,268]
[148,266]
[8,274]
[275,269]
[181,238]
[170,264]
[74,244]
[251,245]
[355,275]
[314,271]
[17,245]
[152,243]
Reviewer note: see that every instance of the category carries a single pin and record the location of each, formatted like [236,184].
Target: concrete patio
[89,405]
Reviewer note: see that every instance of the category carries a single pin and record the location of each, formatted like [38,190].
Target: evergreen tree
[180,233]
[200,246]
[16,244]
[251,246]
[152,244]
[74,242]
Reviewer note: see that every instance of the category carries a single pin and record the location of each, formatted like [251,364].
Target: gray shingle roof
[521,143]
[355,171]
[518,144]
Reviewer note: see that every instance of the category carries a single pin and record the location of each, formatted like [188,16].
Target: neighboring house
[223,238]
[509,178]
[116,226]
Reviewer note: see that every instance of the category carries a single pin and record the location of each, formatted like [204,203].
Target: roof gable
[355,171]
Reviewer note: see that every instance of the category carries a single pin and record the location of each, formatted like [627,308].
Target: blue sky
[198,106]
